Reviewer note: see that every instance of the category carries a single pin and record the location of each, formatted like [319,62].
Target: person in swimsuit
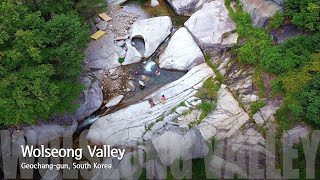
[163,99]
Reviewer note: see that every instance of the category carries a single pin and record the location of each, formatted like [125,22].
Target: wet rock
[226,120]
[114,101]
[210,24]
[260,10]
[179,143]
[186,8]
[91,98]
[102,25]
[144,77]
[182,52]
[127,126]
[153,31]
[142,84]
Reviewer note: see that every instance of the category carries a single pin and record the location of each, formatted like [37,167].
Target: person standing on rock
[163,99]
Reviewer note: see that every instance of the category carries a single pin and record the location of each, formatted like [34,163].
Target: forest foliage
[295,62]
[42,46]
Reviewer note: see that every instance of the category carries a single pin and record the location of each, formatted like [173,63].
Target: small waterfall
[149,65]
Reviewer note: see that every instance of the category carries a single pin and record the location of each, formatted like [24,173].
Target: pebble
[121,43]
[114,77]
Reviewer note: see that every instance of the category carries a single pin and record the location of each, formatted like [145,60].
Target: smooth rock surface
[101,54]
[91,98]
[127,126]
[210,24]
[182,52]
[182,109]
[226,120]
[294,135]
[102,25]
[153,31]
[177,143]
[265,114]
[43,133]
[132,56]
[260,10]
[186,7]
[114,101]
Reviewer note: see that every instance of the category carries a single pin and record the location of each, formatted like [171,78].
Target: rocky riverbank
[127,100]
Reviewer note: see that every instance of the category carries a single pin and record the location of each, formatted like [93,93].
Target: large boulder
[132,56]
[128,125]
[182,52]
[91,98]
[211,24]
[260,10]
[101,54]
[152,31]
[226,120]
[186,7]
[178,143]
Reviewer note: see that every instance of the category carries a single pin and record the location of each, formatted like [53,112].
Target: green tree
[48,8]
[292,54]
[39,63]
[302,89]
[305,14]
[276,21]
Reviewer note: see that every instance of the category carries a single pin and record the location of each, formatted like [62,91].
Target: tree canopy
[41,50]
[304,13]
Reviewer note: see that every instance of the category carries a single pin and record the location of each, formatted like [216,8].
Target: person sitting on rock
[163,99]
[157,73]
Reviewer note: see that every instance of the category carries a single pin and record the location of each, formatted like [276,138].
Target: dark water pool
[145,10]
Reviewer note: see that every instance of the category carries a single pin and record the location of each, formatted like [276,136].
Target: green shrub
[40,62]
[255,106]
[209,90]
[276,21]
[294,53]
[305,14]
[258,81]
[121,60]
[206,108]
